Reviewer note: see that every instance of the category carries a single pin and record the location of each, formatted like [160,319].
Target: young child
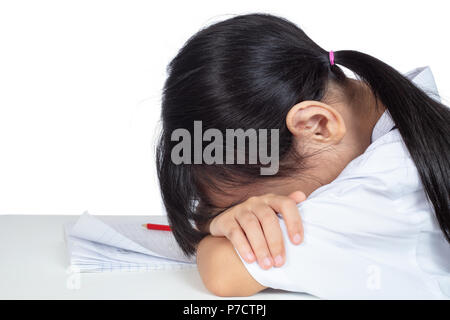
[370,155]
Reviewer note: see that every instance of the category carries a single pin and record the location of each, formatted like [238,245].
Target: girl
[370,155]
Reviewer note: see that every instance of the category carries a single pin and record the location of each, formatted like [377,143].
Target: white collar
[383,126]
[423,78]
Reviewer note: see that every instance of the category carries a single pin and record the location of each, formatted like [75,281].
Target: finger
[288,209]
[272,232]
[255,235]
[217,225]
[237,237]
[297,196]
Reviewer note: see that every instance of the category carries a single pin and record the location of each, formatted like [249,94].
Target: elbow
[215,257]
[210,263]
[218,287]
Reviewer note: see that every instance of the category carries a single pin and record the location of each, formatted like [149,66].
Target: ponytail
[423,122]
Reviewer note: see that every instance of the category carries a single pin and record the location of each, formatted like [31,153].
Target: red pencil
[153,226]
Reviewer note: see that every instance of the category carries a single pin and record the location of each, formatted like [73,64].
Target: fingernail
[250,256]
[267,262]
[297,238]
[278,260]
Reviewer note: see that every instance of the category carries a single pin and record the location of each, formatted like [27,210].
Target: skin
[333,132]
[253,227]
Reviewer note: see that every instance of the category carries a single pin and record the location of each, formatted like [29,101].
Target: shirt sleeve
[356,246]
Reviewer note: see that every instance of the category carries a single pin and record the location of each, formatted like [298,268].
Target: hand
[254,230]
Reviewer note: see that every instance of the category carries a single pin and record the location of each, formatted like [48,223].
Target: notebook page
[129,236]
[93,229]
[162,243]
[90,256]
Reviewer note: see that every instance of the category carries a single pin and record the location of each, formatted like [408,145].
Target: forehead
[222,197]
[230,196]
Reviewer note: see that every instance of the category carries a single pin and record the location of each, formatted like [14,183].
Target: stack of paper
[95,246]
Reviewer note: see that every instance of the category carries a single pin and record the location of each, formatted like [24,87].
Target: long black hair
[247,72]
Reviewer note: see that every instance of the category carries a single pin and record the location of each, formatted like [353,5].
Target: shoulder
[385,167]
[379,191]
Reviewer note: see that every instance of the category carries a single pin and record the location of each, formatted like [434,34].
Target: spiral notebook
[97,245]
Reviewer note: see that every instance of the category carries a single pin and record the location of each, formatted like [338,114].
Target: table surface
[34,265]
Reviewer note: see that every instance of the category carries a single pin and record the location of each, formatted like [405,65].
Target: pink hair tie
[332,57]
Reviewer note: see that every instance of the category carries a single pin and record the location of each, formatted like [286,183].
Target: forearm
[221,269]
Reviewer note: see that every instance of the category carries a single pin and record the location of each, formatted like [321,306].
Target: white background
[80,86]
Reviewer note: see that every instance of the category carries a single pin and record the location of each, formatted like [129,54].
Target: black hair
[247,72]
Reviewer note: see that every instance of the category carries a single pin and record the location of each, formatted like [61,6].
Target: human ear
[316,121]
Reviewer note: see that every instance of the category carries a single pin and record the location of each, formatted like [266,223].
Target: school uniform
[371,233]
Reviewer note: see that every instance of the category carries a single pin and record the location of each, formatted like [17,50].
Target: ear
[317,121]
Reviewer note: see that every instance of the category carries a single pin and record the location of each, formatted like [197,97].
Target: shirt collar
[383,126]
[423,78]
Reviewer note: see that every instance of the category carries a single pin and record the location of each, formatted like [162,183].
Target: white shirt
[371,233]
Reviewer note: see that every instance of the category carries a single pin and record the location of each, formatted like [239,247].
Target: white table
[34,265]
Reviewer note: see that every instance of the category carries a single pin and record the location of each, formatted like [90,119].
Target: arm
[222,271]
